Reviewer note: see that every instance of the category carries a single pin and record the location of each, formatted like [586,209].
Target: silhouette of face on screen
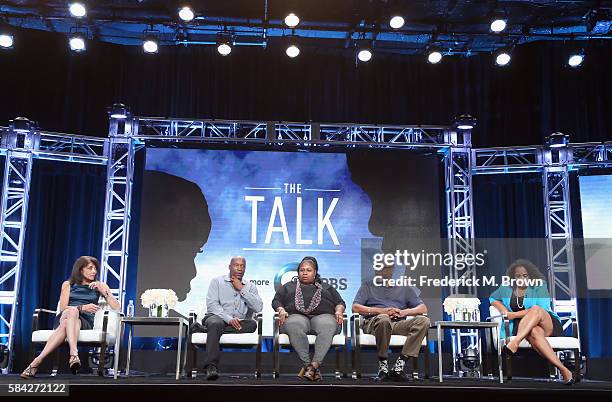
[174,225]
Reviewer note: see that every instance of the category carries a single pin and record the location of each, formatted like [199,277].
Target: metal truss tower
[117,209]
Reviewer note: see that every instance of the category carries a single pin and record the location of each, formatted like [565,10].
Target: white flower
[158,297]
[460,302]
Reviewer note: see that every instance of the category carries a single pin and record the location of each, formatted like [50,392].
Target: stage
[93,388]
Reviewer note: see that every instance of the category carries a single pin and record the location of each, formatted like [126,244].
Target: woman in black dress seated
[78,304]
[308,306]
[528,310]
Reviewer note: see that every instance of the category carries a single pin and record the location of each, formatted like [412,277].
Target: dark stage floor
[287,388]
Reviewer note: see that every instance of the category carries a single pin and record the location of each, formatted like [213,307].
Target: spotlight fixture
[396,22]
[150,44]
[498,25]
[77,9]
[186,14]
[292,51]
[77,42]
[575,59]
[364,54]
[292,20]
[118,111]
[22,125]
[6,40]
[502,58]
[224,47]
[465,122]
[434,56]
[557,140]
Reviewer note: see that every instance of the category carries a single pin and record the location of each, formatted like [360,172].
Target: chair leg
[275,361]
[338,372]
[258,361]
[193,361]
[577,361]
[32,351]
[426,362]
[415,368]
[552,371]
[508,366]
[102,359]
[56,361]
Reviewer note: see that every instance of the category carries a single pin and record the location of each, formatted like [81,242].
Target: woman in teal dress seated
[529,312]
[78,304]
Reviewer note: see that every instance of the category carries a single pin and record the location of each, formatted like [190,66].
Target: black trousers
[214,326]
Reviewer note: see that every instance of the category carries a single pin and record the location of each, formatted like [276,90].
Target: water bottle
[130,309]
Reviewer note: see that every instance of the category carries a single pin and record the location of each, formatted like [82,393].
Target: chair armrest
[495,317]
[259,318]
[36,317]
[192,318]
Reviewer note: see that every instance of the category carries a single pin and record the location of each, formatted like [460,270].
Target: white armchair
[101,335]
[558,343]
[339,341]
[246,340]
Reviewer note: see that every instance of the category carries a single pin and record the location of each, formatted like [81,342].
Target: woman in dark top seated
[78,304]
[309,306]
[528,310]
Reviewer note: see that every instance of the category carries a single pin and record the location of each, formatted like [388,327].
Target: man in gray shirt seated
[230,304]
[385,309]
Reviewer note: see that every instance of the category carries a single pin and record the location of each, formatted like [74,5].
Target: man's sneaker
[397,373]
[211,372]
[399,376]
[383,371]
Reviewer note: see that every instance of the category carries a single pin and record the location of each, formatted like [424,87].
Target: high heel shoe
[27,373]
[569,382]
[75,363]
[510,352]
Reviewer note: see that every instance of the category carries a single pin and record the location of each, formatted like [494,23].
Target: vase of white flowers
[159,301]
[462,307]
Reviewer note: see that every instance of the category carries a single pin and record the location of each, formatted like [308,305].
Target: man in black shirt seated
[385,309]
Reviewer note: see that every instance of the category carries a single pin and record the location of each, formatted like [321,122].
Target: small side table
[478,325]
[151,321]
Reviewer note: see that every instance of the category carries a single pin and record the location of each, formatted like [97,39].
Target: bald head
[237,266]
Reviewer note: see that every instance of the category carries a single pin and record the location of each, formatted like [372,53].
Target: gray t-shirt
[387,296]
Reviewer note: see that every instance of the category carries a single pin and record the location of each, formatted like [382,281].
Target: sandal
[312,373]
[301,373]
[27,373]
[75,363]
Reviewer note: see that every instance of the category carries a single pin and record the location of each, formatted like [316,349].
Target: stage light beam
[498,25]
[503,58]
[224,48]
[292,51]
[77,43]
[150,45]
[6,41]
[434,57]
[364,55]
[77,9]
[186,14]
[396,22]
[575,60]
[292,20]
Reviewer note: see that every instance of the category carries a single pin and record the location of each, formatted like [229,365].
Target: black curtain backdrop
[517,105]
[65,221]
